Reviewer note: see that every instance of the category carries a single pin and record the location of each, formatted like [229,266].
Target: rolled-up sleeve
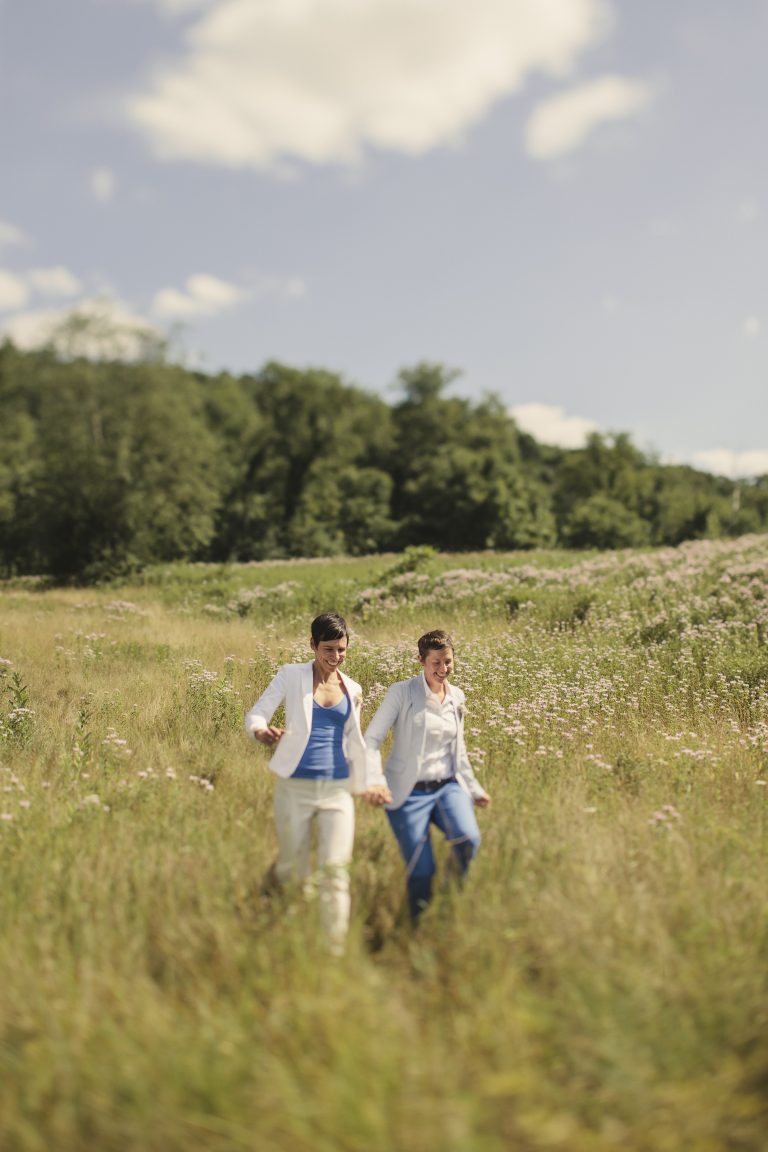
[464,767]
[263,710]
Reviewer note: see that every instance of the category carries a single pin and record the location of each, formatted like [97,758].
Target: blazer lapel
[348,686]
[418,714]
[355,701]
[306,693]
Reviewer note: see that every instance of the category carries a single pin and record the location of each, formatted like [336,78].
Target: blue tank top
[323,757]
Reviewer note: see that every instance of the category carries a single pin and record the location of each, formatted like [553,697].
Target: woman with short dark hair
[428,770]
[320,761]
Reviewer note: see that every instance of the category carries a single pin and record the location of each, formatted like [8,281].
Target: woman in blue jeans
[428,770]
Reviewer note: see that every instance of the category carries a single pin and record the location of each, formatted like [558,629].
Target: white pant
[329,802]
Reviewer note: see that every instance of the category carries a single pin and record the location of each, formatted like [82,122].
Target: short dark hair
[434,641]
[329,626]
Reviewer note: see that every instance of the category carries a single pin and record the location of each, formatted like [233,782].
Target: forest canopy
[108,466]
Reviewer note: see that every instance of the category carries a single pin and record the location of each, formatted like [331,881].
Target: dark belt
[432,785]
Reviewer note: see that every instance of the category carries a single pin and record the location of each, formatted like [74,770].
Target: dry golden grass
[599,984]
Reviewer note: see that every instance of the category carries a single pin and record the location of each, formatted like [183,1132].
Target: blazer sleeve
[384,719]
[267,704]
[476,790]
[464,768]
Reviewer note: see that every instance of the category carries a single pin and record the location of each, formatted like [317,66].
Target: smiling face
[438,665]
[329,654]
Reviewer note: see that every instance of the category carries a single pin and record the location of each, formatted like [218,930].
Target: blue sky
[566,200]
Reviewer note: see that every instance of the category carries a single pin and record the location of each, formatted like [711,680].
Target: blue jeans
[452,811]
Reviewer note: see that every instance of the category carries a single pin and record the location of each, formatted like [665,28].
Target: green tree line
[108,466]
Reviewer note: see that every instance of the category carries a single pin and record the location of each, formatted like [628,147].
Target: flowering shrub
[212,696]
[16,722]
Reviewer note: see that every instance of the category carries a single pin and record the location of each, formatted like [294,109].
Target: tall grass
[600,982]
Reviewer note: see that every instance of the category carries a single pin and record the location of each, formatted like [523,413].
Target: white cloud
[10,234]
[173,7]
[736,465]
[56,281]
[751,326]
[204,296]
[278,287]
[320,80]
[550,424]
[294,288]
[14,293]
[177,6]
[97,328]
[33,329]
[102,184]
[562,123]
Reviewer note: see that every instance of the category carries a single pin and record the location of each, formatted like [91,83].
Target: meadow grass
[600,982]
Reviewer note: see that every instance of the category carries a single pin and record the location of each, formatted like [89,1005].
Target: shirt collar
[433,695]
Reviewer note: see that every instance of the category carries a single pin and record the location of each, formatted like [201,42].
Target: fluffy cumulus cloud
[172,7]
[320,80]
[176,7]
[14,292]
[736,465]
[550,424]
[563,122]
[16,287]
[56,281]
[203,296]
[10,235]
[98,328]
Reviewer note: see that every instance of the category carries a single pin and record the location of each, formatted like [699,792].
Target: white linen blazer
[293,686]
[405,708]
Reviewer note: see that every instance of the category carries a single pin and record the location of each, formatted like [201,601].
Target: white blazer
[405,708]
[293,686]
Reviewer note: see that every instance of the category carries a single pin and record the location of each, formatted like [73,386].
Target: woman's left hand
[483,801]
[377,795]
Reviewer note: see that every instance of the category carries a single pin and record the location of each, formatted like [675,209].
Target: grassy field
[599,984]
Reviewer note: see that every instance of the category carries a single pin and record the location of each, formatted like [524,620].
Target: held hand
[483,801]
[377,795]
[268,736]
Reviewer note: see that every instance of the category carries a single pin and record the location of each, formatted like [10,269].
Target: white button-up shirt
[442,726]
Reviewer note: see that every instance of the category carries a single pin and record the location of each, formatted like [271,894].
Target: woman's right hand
[268,736]
[378,795]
